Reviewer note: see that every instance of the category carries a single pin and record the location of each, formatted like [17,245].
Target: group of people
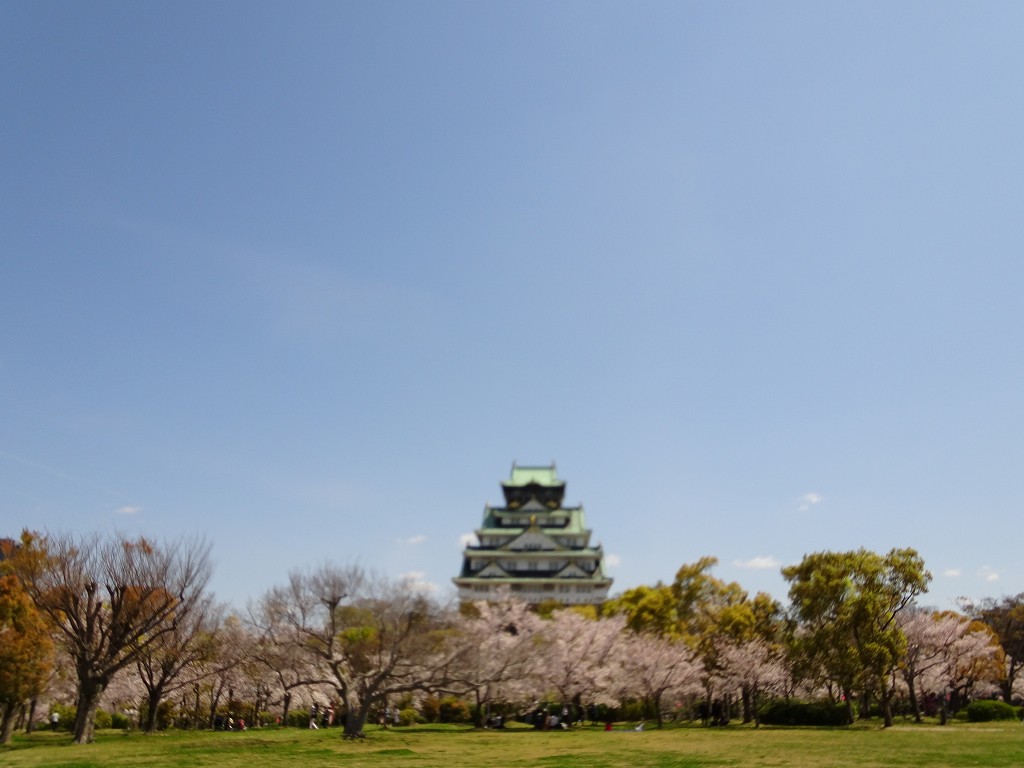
[228,723]
[325,716]
[544,720]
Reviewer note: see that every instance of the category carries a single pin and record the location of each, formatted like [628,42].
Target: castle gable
[532,540]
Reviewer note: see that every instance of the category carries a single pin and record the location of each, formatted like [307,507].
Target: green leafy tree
[702,598]
[648,610]
[848,604]
[706,608]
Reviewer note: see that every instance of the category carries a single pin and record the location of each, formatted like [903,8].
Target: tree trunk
[257,707]
[886,702]
[1007,684]
[709,704]
[848,699]
[915,704]
[6,723]
[153,696]
[1006,690]
[745,695]
[31,724]
[478,718]
[287,705]
[215,693]
[355,719]
[89,692]
[865,705]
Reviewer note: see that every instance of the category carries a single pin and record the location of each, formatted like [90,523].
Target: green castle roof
[545,476]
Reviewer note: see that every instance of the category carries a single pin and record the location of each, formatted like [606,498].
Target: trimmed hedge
[409,716]
[986,710]
[103,720]
[450,709]
[792,712]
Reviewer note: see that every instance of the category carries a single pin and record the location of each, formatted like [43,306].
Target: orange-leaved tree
[25,647]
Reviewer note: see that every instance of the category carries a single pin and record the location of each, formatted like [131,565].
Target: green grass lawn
[989,744]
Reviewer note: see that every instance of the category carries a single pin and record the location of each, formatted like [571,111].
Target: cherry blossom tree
[946,653]
[754,666]
[927,634]
[655,669]
[494,652]
[176,660]
[968,666]
[220,675]
[1005,616]
[280,649]
[577,657]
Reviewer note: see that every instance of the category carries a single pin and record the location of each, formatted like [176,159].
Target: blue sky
[305,279]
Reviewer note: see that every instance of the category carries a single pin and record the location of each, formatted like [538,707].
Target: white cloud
[952,572]
[417,581]
[809,500]
[129,510]
[414,540]
[989,574]
[467,540]
[758,563]
[612,561]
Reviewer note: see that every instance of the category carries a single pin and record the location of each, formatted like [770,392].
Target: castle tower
[534,547]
